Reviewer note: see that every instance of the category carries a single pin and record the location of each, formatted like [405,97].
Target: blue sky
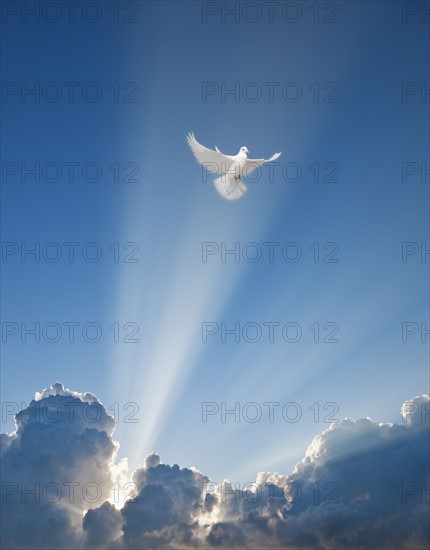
[163,61]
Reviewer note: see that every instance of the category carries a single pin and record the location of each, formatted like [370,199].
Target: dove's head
[244,151]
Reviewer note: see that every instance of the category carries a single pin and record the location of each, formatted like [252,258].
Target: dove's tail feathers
[228,188]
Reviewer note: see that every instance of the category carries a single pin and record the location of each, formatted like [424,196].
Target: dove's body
[232,168]
[236,168]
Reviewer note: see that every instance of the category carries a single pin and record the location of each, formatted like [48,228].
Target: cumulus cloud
[166,508]
[54,467]
[361,484]
[417,410]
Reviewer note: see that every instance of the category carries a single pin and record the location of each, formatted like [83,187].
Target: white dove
[232,168]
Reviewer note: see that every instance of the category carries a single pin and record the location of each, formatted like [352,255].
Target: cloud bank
[361,484]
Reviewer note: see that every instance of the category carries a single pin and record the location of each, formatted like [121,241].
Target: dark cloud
[102,526]
[227,535]
[361,484]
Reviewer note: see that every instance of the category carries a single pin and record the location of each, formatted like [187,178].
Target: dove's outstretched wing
[253,164]
[217,162]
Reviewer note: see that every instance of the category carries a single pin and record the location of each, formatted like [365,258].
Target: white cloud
[361,484]
[57,466]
